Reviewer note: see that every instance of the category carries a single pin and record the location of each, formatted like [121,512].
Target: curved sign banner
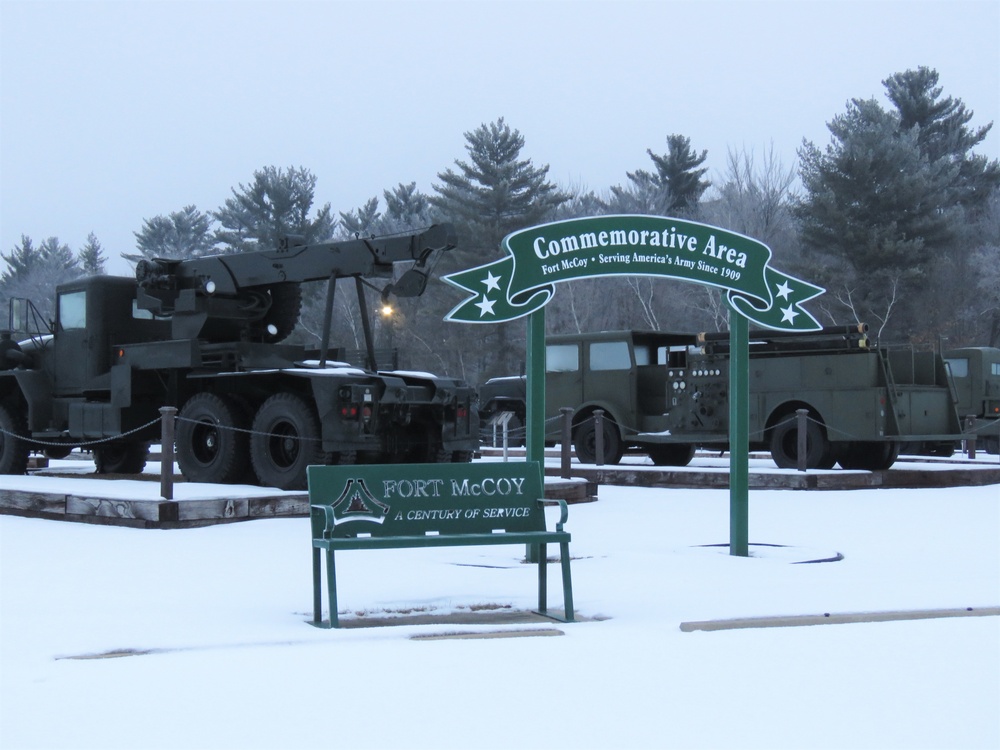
[542,256]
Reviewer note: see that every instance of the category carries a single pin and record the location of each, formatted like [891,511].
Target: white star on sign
[491,281]
[784,290]
[788,314]
[486,306]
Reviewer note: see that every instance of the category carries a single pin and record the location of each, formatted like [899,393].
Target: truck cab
[975,372]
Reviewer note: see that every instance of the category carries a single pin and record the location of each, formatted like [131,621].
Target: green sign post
[522,282]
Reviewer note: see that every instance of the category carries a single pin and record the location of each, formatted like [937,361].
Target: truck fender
[35,389]
[586,410]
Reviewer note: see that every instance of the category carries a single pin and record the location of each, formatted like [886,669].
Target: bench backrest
[414,499]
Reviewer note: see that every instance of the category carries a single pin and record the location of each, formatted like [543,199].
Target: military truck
[975,371]
[666,394]
[206,336]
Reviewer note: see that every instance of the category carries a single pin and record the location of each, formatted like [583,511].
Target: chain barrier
[84,444]
[759,434]
[233,428]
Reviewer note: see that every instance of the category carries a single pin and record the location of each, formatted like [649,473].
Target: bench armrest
[328,516]
[563,512]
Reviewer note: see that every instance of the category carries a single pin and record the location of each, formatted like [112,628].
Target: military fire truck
[207,337]
[666,394]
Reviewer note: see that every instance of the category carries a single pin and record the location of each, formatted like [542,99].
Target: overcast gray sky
[115,112]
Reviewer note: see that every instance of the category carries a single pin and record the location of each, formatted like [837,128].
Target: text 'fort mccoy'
[678,252]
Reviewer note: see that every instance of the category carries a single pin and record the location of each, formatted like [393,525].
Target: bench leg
[567,581]
[317,588]
[331,582]
[543,595]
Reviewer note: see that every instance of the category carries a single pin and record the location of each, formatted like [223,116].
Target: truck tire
[209,449]
[869,456]
[585,442]
[121,457]
[671,454]
[14,446]
[285,440]
[784,444]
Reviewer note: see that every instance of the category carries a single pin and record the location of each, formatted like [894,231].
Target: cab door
[563,377]
[73,343]
[611,379]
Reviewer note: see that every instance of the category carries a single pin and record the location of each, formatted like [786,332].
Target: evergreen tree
[406,208]
[277,203]
[875,203]
[496,192]
[183,234]
[361,221]
[58,257]
[92,257]
[674,189]
[21,260]
[34,272]
[943,132]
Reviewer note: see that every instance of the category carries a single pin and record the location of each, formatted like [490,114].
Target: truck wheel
[208,448]
[121,458]
[669,454]
[784,444]
[869,456]
[585,442]
[285,440]
[14,447]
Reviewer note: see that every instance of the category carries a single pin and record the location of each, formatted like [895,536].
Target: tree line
[897,217]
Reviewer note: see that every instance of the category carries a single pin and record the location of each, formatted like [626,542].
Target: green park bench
[431,505]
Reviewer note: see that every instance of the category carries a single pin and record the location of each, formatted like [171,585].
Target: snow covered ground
[205,642]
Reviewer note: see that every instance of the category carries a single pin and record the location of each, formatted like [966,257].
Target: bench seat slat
[443,540]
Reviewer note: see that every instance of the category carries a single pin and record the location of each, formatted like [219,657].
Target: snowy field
[205,644]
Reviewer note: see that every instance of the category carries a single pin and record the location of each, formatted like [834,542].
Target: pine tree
[34,272]
[277,203]
[183,234]
[91,257]
[406,208]
[943,132]
[496,192]
[493,194]
[674,189]
[361,221]
[21,260]
[875,203]
[58,257]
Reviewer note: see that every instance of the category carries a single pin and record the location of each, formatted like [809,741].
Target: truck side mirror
[17,315]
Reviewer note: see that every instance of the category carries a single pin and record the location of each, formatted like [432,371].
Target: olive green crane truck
[206,336]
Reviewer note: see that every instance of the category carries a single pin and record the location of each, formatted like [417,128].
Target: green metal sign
[539,257]
[542,256]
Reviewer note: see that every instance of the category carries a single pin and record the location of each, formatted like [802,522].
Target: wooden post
[970,438]
[167,414]
[801,440]
[567,437]
[599,436]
